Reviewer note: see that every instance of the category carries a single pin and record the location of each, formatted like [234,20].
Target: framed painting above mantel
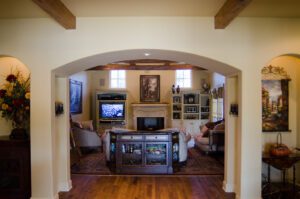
[150,88]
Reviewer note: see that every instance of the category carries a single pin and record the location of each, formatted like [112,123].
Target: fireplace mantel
[149,110]
[150,105]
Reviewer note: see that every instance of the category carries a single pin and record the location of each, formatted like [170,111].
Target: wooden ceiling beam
[146,67]
[58,11]
[230,10]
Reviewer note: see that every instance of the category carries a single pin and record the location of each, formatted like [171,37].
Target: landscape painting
[275,108]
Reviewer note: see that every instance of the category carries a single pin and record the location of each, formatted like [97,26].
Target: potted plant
[15,104]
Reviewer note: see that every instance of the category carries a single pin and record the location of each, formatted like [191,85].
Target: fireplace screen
[150,123]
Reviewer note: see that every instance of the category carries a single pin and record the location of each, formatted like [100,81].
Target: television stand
[112,122]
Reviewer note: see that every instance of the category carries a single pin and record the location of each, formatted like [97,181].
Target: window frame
[117,78]
[184,78]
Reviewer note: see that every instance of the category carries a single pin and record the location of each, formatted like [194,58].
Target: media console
[111,108]
[144,152]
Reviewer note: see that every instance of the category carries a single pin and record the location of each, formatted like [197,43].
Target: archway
[289,63]
[232,74]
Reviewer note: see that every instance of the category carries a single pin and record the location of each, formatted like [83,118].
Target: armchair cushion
[86,138]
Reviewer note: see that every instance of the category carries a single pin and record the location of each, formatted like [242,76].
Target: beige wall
[292,66]
[8,65]
[167,79]
[245,44]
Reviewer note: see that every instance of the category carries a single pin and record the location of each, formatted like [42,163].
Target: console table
[14,168]
[282,164]
[144,152]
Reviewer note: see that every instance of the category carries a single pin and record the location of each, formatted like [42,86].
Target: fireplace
[150,112]
[150,123]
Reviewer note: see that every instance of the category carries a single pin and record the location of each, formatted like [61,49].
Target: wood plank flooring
[146,187]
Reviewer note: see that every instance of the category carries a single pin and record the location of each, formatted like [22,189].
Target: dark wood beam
[146,67]
[230,10]
[58,11]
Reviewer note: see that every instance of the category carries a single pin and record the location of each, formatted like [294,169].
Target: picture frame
[275,105]
[75,97]
[150,88]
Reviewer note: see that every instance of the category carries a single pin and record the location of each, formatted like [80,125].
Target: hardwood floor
[146,187]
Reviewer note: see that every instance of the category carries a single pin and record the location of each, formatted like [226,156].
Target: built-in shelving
[190,105]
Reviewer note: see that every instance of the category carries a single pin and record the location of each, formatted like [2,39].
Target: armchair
[213,141]
[85,138]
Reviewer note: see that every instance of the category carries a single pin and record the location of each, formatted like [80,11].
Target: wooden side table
[282,164]
[15,174]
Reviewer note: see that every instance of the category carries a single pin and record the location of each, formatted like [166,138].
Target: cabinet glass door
[132,153]
[156,154]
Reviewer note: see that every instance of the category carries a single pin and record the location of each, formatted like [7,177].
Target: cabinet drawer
[131,137]
[157,137]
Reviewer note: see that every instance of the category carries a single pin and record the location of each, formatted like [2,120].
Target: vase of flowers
[15,104]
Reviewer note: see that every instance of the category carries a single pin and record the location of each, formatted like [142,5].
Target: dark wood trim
[230,10]
[146,67]
[58,11]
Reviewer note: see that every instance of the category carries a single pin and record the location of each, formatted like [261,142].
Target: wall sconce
[59,108]
[234,109]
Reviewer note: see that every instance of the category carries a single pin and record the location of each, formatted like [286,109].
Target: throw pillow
[220,127]
[204,131]
[77,124]
[88,125]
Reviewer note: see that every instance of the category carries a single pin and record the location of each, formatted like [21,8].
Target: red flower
[11,78]
[18,102]
[2,93]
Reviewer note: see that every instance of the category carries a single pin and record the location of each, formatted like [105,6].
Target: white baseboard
[228,187]
[54,197]
[62,187]
[65,186]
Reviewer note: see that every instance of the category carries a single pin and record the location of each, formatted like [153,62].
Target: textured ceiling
[95,8]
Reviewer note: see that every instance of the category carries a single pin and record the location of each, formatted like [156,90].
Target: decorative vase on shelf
[173,89]
[178,89]
[20,123]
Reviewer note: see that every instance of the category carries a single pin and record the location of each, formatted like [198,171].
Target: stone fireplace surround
[149,110]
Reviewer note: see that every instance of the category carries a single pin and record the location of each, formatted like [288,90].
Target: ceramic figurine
[173,89]
[178,89]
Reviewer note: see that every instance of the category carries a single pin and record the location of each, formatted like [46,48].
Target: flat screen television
[112,110]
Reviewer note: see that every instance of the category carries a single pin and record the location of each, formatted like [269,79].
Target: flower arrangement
[15,100]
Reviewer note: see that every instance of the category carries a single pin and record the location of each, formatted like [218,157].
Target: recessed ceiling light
[147,54]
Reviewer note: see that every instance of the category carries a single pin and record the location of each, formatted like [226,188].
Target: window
[184,78]
[117,79]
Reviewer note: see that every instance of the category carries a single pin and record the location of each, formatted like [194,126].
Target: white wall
[9,65]
[217,80]
[167,79]
[245,44]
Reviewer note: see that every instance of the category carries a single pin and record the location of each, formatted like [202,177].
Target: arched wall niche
[8,65]
[291,64]
[61,86]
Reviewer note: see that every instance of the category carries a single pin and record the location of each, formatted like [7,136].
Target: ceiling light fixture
[147,54]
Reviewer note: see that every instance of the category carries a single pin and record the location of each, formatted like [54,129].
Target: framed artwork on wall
[75,97]
[149,88]
[275,100]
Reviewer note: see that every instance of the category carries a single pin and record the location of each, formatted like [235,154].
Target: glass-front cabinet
[156,154]
[132,153]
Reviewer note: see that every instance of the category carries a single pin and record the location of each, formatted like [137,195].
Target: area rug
[197,164]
